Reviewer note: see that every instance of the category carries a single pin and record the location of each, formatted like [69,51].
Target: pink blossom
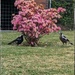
[60,9]
[34,21]
[17,2]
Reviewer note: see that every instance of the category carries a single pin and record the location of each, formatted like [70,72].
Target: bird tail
[11,42]
[70,42]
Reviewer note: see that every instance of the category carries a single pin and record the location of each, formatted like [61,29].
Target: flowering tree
[34,21]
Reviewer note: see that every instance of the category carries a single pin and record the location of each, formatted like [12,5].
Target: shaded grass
[49,58]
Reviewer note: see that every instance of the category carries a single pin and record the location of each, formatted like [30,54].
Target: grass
[51,57]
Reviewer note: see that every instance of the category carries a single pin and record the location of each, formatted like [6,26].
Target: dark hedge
[67,22]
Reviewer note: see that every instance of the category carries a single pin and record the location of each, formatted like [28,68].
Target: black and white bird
[64,39]
[18,40]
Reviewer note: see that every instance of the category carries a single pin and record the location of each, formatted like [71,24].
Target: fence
[7,9]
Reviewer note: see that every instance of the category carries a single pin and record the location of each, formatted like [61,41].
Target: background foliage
[67,20]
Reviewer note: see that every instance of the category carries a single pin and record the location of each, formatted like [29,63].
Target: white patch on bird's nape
[62,35]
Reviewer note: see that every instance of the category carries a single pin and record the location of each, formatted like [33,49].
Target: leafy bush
[67,20]
[34,21]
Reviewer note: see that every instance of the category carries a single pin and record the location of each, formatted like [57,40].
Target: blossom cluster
[34,20]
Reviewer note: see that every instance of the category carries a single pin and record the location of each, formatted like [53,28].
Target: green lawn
[51,57]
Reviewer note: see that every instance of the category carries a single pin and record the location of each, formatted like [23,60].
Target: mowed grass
[51,57]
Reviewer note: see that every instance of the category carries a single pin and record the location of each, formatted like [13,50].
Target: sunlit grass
[51,57]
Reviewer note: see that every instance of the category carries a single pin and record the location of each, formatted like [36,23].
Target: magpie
[63,39]
[18,40]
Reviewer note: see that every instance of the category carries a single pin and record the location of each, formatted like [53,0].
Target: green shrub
[67,20]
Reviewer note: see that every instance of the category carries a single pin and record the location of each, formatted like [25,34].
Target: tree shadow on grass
[49,44]
[65,46]
[42,44]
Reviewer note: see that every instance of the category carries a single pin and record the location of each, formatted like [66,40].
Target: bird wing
[64,37]
[19,38]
